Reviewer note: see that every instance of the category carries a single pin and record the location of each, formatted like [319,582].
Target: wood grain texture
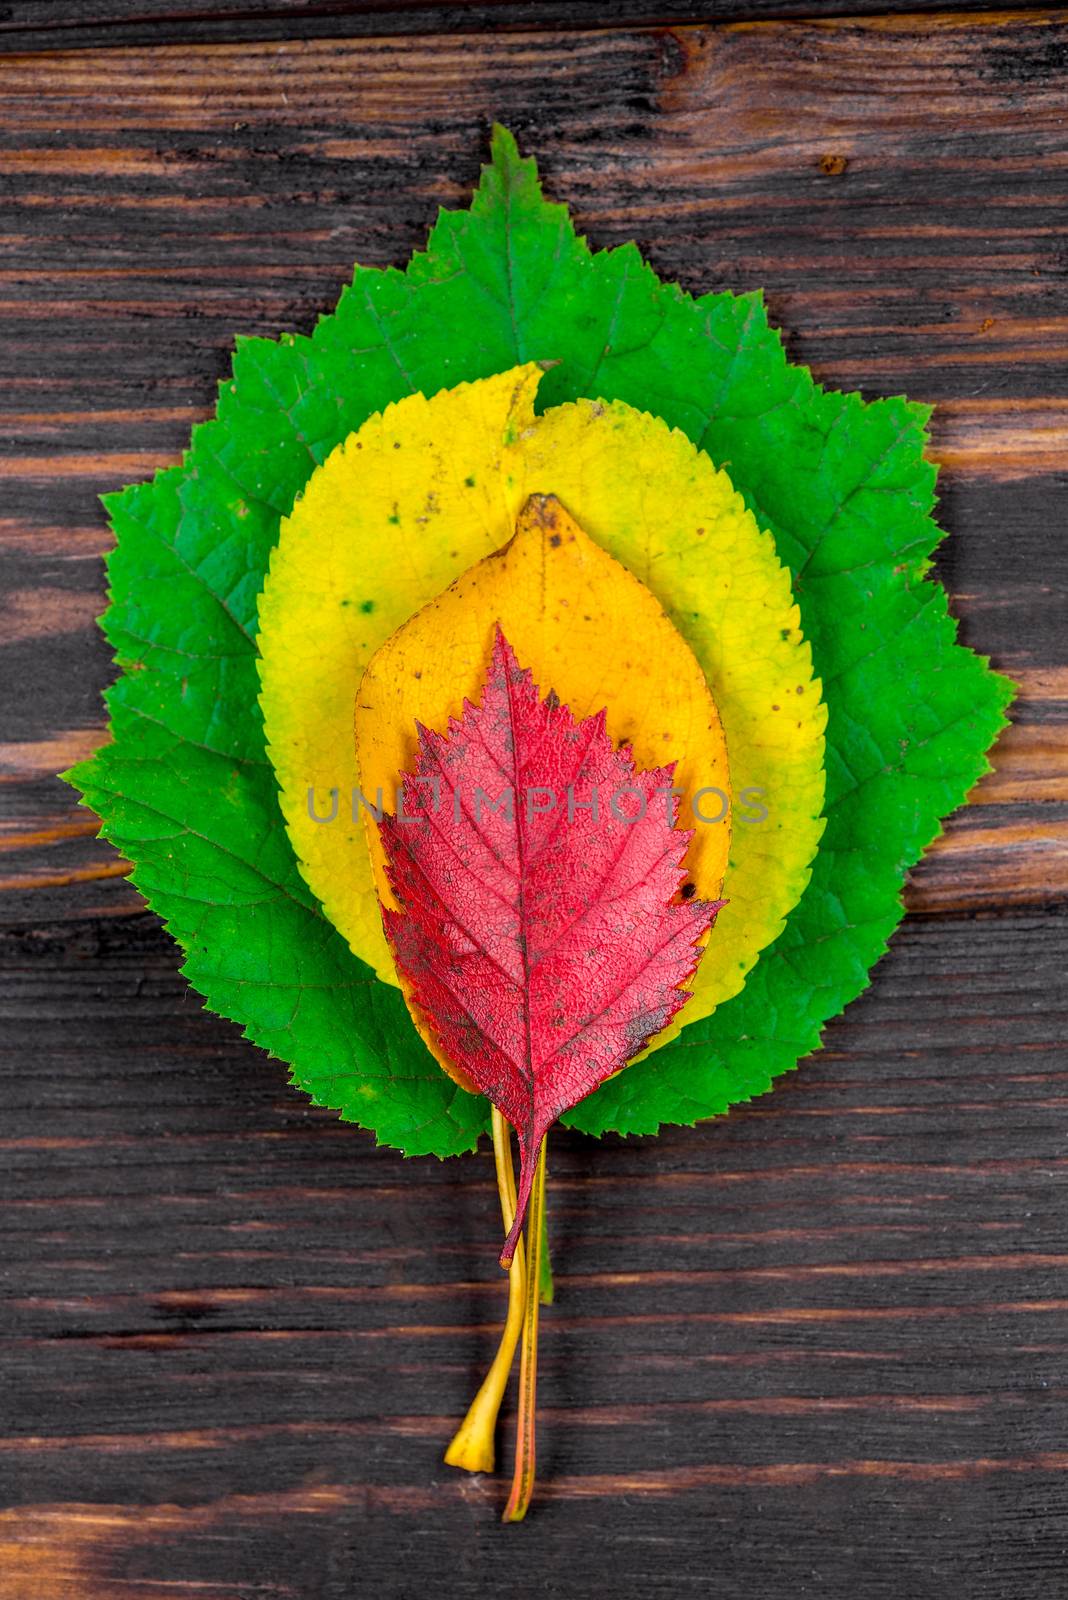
[95,24]
[818,1346]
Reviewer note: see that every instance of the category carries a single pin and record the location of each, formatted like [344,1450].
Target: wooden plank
[107,24]
[238,1334]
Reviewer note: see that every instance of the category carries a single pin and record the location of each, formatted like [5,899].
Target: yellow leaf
[430,487]
[589,631]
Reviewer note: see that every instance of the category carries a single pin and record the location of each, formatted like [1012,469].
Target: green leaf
[185,791]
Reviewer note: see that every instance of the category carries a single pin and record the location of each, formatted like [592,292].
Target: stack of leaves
[546,527]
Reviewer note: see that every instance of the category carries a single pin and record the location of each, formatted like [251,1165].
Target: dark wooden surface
[63,24]
[817,1347]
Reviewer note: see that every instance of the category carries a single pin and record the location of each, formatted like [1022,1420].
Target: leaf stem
[523,1478]
[472,1445]
[546,1286]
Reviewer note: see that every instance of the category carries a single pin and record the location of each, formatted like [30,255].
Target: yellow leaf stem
[472,1447]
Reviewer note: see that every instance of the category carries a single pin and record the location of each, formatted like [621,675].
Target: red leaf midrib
[518,812]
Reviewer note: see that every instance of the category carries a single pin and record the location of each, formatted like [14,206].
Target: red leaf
[545,940]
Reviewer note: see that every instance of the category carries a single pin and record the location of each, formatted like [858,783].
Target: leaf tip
[504,150]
